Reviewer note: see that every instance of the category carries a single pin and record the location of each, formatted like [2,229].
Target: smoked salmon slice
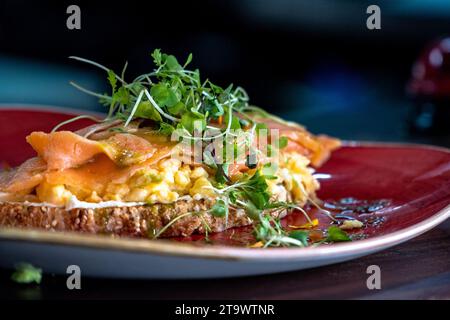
[316,148]
[63,149]
[68,158]
[23,178]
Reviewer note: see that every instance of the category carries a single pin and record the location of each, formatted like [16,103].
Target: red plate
[412,182]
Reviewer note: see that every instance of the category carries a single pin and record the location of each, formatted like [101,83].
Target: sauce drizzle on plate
[369,212]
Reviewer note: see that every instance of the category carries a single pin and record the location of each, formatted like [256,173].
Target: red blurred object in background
[430,88]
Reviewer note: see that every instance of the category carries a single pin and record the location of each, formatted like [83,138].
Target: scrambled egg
[170,179]
[296,177]
[164,183]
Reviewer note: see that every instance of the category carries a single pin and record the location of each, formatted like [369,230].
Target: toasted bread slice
[138,221]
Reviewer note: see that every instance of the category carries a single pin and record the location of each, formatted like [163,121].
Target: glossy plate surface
[413,179]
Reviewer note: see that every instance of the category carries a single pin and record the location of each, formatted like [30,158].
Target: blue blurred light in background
[342,99]
[422,8]
[34,82]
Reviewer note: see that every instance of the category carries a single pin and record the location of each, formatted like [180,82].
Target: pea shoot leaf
[166,129]
[300,235]
[171,63]
[27,273]
[177,108]
[261,128]
[157,57]
[222,173]
[235,124]
[163,95]
[112,80]
[336,234]
[282,142]
[188,60]
[191,121]
[219,209]
[146,110]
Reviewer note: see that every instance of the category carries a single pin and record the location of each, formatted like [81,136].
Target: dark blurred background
[310,61]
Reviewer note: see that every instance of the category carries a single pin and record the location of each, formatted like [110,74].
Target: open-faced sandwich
[174,156]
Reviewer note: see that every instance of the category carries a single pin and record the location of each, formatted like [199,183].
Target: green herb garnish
[336,234]
[219,209]
[282,143]
[27,273]
[173,99]
[172,95]
[300,235]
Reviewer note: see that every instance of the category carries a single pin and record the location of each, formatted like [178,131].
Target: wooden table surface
[417,269]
